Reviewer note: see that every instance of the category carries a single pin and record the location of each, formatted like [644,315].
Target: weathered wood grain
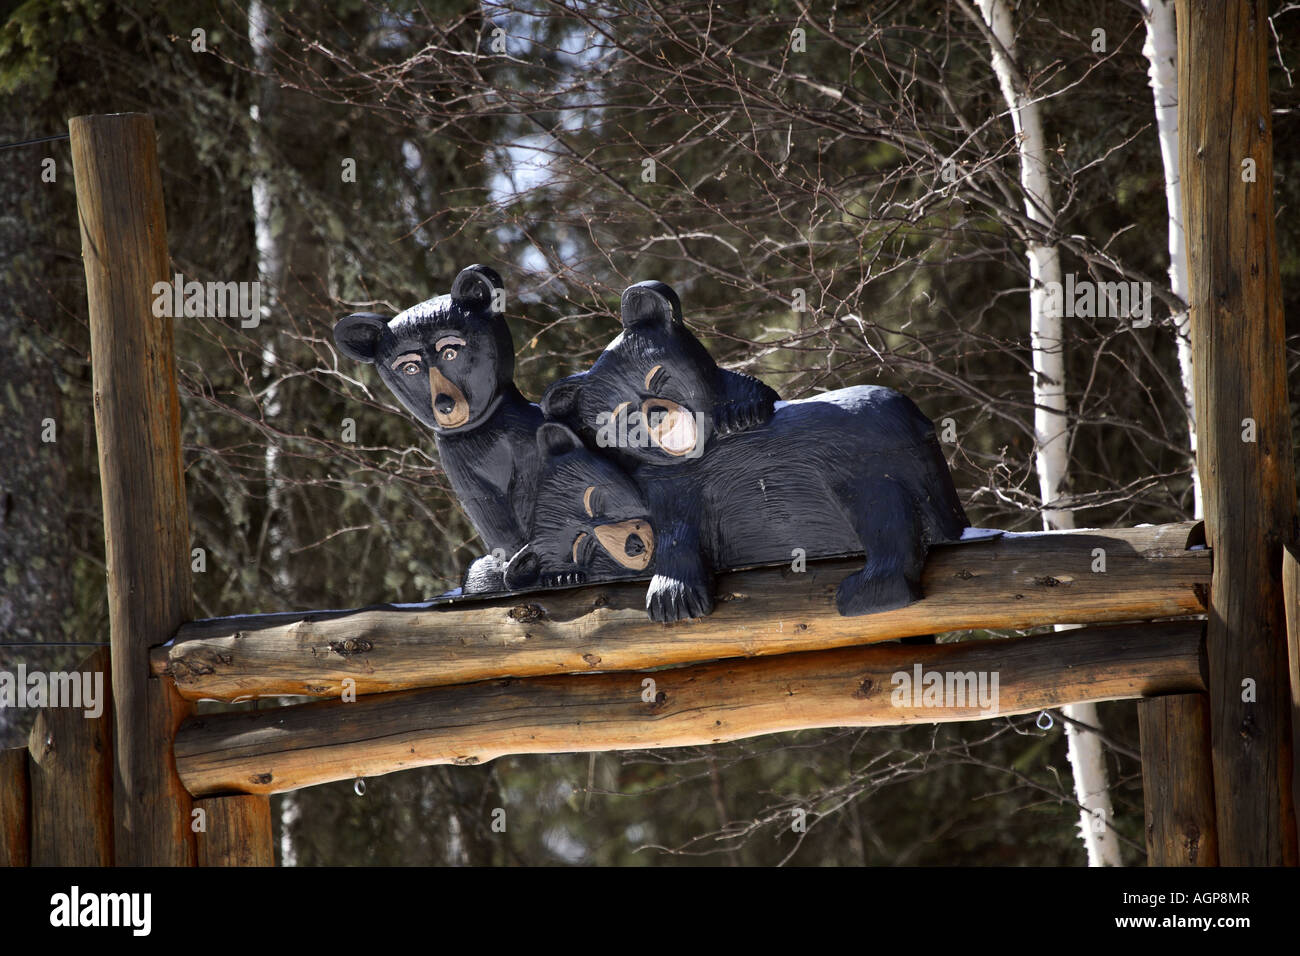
[270,751]
[15,808]
[237,831]
[1178,781]
[1243,427]
[137,424]
[1291,593]
[71,773]
[1008,582]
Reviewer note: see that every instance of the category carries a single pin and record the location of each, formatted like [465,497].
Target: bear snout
[450,407]
[630,543]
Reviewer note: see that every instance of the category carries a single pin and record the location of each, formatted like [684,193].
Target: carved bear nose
[444,404]
[633,546]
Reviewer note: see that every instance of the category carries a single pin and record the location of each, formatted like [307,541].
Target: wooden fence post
[237,831]
[1177,781]
[137,422]
[1243,430]
[71,772]
[15,808]
[1291,589]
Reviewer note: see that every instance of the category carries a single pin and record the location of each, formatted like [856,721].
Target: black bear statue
[450,361]
[656,462]
[848,471]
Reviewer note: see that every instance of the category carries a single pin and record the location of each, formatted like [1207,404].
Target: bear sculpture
[450,361]
[656,463]
[848,471]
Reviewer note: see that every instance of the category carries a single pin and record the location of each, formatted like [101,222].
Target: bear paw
[869,592]
[669,599]
[484,575]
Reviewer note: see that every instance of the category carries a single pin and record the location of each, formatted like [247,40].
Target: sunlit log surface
[1014,581]
[270,751]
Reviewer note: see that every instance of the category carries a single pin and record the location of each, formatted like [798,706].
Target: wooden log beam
[71,773]
[1178,781]
[1008,582]
[137,423]
[271,751]
[15,808]
[1243,429]
[236,831]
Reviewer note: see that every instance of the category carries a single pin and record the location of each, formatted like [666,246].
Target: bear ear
[357,335]
[650,302]
[554,439]
[560,400]
[475,288]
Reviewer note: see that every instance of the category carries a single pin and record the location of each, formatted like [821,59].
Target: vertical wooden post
[1177,781]
[237,831]
[71,771]
[15,808]
[1291,589]
[137,422]
[1242,416]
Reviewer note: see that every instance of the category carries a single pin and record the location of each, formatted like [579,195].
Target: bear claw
[564,579]
[741,416]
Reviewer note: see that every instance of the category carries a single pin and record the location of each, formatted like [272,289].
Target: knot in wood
[187,669]
[351,647]
[527,613]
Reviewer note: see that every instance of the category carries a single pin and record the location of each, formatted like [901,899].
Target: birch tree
[1051,424]
[1161,51]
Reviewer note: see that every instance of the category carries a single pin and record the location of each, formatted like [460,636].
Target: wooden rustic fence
[1218,679]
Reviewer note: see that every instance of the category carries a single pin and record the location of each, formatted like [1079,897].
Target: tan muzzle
[614,537]
[670,426]
[439,384]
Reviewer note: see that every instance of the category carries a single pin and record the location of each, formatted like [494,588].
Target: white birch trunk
[270,272]
[1161,51]
[268,229]
[1087,759]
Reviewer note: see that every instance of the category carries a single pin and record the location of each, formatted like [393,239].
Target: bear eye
[656,380]
[581,556]
[448,346]
[408,364]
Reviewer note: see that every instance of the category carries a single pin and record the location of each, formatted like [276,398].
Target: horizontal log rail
[286,748]
[1014,581]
